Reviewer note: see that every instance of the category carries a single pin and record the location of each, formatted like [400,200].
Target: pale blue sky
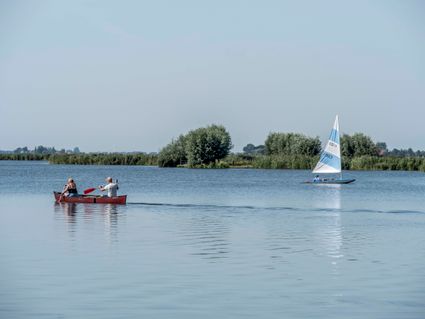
[131,75]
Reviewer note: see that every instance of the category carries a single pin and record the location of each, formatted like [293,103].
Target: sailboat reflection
[329,234]
[321,233]
[327,196]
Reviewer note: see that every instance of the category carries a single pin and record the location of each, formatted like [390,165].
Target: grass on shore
[392,163]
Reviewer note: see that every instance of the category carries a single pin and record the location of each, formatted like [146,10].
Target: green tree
[358,145]
[292,144]
[173,154]
[252,149]
[203,146]
[206,145]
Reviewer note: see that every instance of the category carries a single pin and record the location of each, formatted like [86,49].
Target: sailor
[316,179]
[111,187]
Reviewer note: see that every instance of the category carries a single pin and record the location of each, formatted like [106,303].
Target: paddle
[89,190]
[60,196]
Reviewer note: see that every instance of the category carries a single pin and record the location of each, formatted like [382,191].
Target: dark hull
[90,199]
[332,181]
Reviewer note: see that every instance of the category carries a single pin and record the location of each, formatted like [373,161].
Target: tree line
[43,150]
[104,159]
[209,147]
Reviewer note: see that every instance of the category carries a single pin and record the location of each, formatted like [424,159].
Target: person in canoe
[316,179]
[70,189]
[111,187]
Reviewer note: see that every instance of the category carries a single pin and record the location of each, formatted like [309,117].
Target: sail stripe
[334,136]
[327,169]
[332,148]
[330,159]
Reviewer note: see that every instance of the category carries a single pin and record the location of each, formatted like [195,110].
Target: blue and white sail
[330,159]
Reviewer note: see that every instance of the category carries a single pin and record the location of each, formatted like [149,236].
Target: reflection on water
[330,196]
[330,232]
[330,237]
[75,213]
[68,211]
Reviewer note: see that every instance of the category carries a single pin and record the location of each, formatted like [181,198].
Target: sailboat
[330,160]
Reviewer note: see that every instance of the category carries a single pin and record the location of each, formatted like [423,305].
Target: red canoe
[91,199]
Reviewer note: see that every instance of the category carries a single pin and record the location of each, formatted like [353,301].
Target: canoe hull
[90,199]
[332,181]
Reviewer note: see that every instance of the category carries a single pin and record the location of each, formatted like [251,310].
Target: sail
[330,159]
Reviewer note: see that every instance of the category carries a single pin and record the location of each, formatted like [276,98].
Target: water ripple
[276,208]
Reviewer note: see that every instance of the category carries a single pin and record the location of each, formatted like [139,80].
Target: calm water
[211,244]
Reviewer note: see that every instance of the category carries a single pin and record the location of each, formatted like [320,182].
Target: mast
[339,139]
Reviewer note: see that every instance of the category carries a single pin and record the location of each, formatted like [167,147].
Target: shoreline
[363,163]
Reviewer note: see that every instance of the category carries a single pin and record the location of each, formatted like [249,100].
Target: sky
[132,75]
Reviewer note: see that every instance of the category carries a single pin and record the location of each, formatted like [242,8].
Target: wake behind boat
[330,160]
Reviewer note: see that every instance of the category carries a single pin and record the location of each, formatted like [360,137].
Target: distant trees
[252,149]
[357,145]
[23,157]
[387,163]
[104,159]
[405,153]
[43,150]
[199,147]
[21,150]
[210,147]
[381,148]
[292,144]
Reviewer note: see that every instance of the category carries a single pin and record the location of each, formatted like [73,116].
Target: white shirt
[112,189]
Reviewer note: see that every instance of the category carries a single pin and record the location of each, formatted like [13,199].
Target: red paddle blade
[89,190]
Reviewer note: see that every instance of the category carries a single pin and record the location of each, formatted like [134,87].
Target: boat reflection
[327,196]
[322,221]
[68,209]
[329,234]
[78,214]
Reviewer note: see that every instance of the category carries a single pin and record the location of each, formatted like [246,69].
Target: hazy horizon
[130,75]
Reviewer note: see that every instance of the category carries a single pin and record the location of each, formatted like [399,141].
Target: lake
[231,243]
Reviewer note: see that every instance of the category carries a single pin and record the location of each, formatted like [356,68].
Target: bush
[104,159]
[202,147]
[292,144]
[24,157]
[285,161]
[358,145]
[206,145]
[173,154]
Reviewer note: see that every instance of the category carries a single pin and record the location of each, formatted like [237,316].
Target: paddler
[111,187]
[70,189]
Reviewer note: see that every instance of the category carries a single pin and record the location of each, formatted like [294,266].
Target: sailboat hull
[331,181]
